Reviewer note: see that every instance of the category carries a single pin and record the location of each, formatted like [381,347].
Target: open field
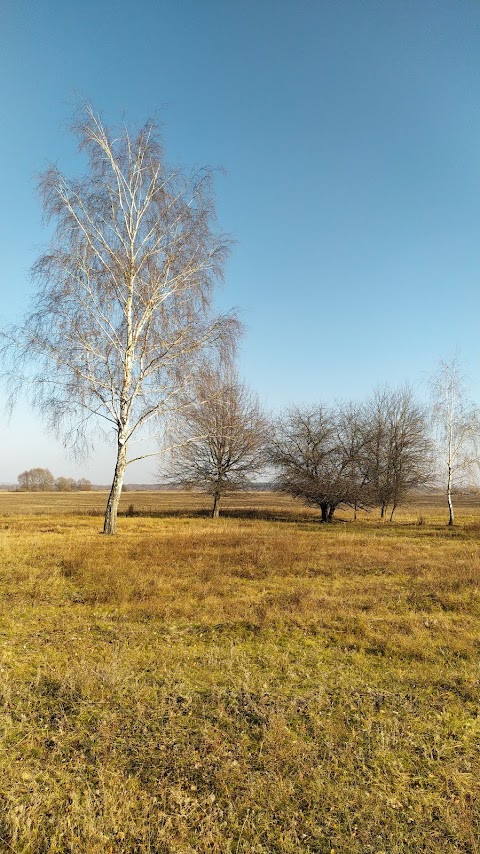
[258,683]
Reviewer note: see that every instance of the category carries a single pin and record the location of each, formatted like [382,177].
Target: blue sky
[350,135]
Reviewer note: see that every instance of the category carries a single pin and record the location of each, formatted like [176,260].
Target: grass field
[257,683]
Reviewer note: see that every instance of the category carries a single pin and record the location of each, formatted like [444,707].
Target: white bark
[111,512]
[456,423]
[123,312]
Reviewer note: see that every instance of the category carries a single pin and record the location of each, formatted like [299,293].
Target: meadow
[257,683]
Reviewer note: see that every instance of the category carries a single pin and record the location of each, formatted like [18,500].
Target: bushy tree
[36,480]
[310,461]
[84,485]
[353,455]
[65,484]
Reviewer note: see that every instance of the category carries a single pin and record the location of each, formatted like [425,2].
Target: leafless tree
[352,439]
[65,484]
[397,451]
[122,311]
[219,436]
[313,458]
[83,485]
[36,480]
[354,455]
[456,426]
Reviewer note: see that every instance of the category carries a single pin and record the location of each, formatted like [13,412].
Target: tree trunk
[331,511]
[382,511]
[393,512]
[324,509]
[355,511]
[110,522]
[216,508]
[451,515]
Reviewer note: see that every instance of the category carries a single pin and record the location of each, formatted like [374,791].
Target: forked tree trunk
[216,508]
[110,522]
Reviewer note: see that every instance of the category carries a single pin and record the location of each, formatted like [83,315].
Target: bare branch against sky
[219,437]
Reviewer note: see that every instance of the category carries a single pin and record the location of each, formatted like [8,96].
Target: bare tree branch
[122,314]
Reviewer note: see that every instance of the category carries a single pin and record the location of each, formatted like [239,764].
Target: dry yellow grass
[259,683]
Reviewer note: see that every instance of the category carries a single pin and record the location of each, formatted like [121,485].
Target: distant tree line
[42,480]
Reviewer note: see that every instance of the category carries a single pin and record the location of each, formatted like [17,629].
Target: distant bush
[84,485]
[36,480]
[65,484]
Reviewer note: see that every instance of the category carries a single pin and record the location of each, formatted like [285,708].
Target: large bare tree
[122,311]
[456,426]
[355,455]
[36,480]
[312,455]
[220,436]
[397,451]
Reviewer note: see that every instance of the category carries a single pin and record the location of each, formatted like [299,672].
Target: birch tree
[220,436]
[456,425]
[123,306]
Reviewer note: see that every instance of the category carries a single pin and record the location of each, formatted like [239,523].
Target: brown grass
[259,683]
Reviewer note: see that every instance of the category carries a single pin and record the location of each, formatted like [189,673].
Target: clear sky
[350,135]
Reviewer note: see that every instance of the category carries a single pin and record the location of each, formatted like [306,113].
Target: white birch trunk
[451,515]
[111,512]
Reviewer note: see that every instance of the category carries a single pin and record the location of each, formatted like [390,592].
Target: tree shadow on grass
[230,513]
